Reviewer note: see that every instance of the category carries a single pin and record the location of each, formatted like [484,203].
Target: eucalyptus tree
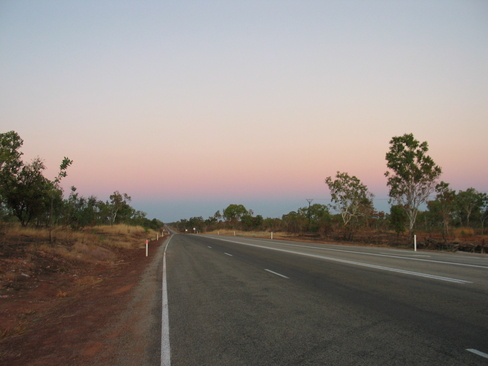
[350,197]
[445,198]
[413,175]
[119,204]
[234,212]
[468,203]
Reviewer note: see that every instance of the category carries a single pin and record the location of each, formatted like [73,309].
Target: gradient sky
[189,106]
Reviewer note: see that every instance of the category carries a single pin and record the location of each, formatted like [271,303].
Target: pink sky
[191,107]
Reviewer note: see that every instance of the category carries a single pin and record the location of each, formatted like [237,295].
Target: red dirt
[72,317]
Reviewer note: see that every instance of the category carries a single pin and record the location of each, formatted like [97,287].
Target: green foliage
[295,222]
[27,194]
[441,209]
[119,206]
[10,143]
[251,223]
[413,174]
[398,218]
[350,197]
[234,212]
[314,217]
[24,191]
[469,203]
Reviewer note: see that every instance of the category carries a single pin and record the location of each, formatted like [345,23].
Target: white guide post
[147,248]
[415,243]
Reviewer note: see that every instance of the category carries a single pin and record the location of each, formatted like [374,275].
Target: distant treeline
[413,181]
[30,198]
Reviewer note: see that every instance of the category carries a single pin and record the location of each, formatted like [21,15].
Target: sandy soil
[83,316]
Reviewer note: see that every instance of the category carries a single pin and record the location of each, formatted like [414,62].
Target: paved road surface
[234,302]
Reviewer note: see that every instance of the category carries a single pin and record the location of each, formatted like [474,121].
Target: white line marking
[230,255]
[374,254]
[476,352]
[390,269]
[165,346]
[209,246]
[276,273]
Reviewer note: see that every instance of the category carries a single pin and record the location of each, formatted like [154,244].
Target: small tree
[28,192]
[413,175]
[398,219]
[350,197]
[118,203]
[468,203]
[54,189]
[446,197]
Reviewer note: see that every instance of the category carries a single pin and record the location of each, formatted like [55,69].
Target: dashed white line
[230,255]
[383,268]
[276,273]
[209,246]
[476,352]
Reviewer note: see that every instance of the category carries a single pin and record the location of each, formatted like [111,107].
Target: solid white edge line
[379,255]
[476,352]
[165,345]
[390,269]
[276,273]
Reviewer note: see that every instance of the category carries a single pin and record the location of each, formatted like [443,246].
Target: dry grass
[60,233]
[90,245]
[462,232]
[257,234]
[17,329]
[87,281]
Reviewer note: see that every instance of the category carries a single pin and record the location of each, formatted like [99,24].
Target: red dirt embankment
[72,315]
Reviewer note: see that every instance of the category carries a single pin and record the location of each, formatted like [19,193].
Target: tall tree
[10,163]
[234,212]
[350,197]
[413,175]
[10,143]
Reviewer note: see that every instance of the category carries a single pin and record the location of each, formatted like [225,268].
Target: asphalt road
[238,301]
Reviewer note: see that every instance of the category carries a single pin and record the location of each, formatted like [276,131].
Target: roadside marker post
[415,243]
[147,247]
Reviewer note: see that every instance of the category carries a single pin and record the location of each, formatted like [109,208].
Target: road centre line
[230,255]
[380,255]
[389,269]
[165,345]
[276,273]
[209,246]
[476,352]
